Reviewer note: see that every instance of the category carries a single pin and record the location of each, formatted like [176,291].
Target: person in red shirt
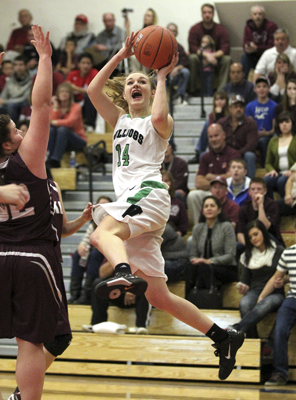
[66,126]
[222,47]
[80,79]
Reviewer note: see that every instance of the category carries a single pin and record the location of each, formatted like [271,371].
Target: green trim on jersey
[129,116]
[147,186]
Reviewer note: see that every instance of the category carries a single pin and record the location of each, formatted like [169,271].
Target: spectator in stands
[283,71]
[175,253]
[281,155]
[6,73]
[218,188]
[17,90]
[80,79]
[238,183]
[239,84]
[18,37]
[213,242]
[68,59]
[127,300]
[259,207]
[287,204]
[86,259]
[241,132]
[289,100]
[208,65]
[220,110]
[258,264]
[263,111]
[268,58]
[286,316]
[179,76]
[66,126]
[81,35]
[258,37]
[178,218]
[109,41]
[220,36]
[179,169]
[213,164]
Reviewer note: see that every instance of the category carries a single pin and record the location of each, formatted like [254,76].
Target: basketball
[155,46]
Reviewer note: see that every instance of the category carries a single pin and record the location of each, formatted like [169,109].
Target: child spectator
[238,183]
[6,72]
[263,111]
[68,59]
[80,79]
[209,63]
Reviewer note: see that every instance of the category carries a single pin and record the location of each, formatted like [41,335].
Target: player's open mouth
[136,94]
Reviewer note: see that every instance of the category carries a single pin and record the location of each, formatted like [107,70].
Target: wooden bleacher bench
[66,176]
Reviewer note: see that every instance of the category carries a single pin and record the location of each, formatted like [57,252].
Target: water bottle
[72,159]
[83,260]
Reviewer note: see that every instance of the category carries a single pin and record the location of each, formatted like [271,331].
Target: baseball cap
[237,98]
[219,179]
[82,18]
[262,78]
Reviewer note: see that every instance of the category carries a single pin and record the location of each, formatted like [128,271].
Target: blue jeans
[202,143]
[262,147]
[208,83]
[252,313]
[285,320]
[62,139]
[250,159]
[249,62]
[94,262]
[276,183]
[181,80]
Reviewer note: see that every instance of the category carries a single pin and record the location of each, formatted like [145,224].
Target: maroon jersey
[57,218]
[34,221]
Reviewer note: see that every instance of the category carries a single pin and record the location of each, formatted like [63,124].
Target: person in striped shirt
[286,315]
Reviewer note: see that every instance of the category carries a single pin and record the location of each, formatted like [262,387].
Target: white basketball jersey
[138,152]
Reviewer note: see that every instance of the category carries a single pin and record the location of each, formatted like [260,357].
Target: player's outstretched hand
[41,42]
[87,212]
[127,49]
[14,194]
[167,69]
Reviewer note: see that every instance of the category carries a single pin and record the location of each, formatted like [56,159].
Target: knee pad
[59,345]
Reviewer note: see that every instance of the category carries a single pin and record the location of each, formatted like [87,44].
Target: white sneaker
[141,331]
[87,328]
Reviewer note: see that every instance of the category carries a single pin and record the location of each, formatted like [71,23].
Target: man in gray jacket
[16,92]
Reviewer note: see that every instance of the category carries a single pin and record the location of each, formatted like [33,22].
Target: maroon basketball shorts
[29,295]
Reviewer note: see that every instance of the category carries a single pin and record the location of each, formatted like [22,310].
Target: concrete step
[188,128]
[191,112]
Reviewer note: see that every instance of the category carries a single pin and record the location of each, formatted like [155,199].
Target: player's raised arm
[34,146]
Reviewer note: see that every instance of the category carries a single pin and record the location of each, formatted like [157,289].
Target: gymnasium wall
[58,15]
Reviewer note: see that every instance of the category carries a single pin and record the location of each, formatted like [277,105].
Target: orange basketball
[155,46]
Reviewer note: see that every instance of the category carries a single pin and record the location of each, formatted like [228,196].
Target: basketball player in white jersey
[129,230]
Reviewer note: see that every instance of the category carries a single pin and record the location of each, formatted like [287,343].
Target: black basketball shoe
[121,283]
[227,350]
